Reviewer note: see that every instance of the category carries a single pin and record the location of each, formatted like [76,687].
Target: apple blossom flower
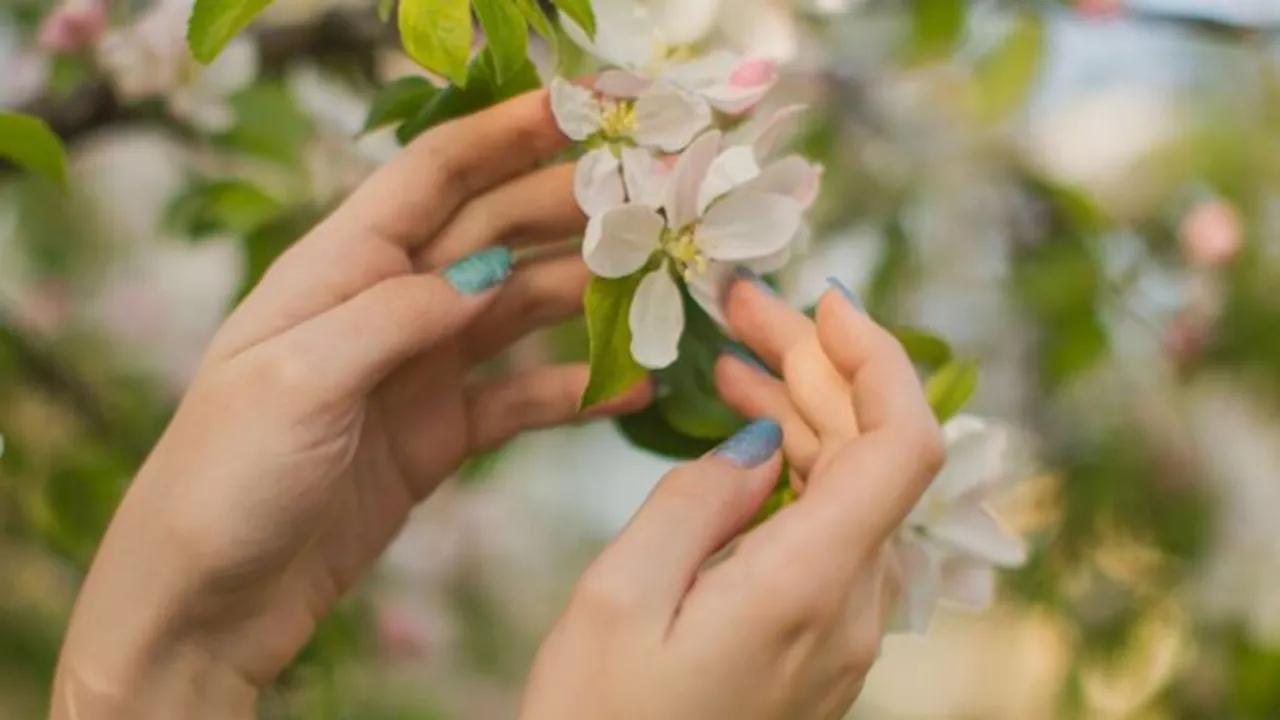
[677,226]
[659,41]
[950,543]
[72,25]
[1212,234]
[661,118]
[150,57]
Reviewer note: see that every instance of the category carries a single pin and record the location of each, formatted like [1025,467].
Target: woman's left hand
[334,399]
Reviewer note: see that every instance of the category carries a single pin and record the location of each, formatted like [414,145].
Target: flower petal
[624,35]
[975,457]
[597,182]
[775,262]
[620,241]
[731,168]
[731,84]
[748,226]
[621,84]
[656,320]
[668,118]
[709,288]
[235,68]
[968,582]
[974,532]
[683,22]
[921,586]
[686,183]
[780,124]
[576,109]
[792,176]
[645,178]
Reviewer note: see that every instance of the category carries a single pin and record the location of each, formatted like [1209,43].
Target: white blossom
[681,225]
[951,544]
[150,57]
[661,40]
[660,118]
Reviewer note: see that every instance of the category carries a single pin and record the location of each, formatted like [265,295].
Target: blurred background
[1083,195]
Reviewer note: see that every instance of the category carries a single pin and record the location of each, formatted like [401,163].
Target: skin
[340,394]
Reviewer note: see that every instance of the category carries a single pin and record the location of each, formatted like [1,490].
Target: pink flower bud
[1099,9]
[1211,234]
[753,73]
[73,25]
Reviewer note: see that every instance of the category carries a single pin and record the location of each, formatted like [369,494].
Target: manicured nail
[750,276]
[743,353]
[476,273]
[848,294]
[753,445]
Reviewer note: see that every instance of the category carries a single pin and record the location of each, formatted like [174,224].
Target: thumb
[693,512]
[355,345]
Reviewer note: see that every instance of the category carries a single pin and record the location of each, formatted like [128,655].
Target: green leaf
[581,13]
[692,404]
[950,388]
[217,206]
[482,90]
[398,101]
[650,430]
[506,35]
[924,348]
[31,144]
[214,22]
[1006,76]
[607,308]
[538,20]
[437,34]
[269,124]
[385,8]
[937,27]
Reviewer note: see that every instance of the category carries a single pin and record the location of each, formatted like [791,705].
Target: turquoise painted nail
[743,353]
[753,445]
[848,294]
[476,273]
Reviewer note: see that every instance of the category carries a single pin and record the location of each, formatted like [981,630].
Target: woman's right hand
[787,625]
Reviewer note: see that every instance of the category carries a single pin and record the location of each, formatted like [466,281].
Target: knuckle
[283,373]
[602,596]
[932,449]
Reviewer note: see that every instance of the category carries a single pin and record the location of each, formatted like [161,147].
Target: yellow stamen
[618,120]
[682,247]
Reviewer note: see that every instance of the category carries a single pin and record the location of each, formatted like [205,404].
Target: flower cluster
[669,194]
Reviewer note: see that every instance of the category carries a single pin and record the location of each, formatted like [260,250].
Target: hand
[335,398]
[789,623]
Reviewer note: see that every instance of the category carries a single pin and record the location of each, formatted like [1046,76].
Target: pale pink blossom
[1212,233]
[73,25]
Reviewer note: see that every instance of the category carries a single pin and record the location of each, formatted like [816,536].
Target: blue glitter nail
[476,273]
[753,445]
[848,294]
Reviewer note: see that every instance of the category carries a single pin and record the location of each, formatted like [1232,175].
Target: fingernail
[753,445]
[476,273]
[661,387]
[848,294]
[750,276]
[743,353]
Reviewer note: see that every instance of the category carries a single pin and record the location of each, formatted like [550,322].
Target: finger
[693,512]
[886,390]
[498,410]
[857,497]
[787,341]
[748,389]
[354,346]
[536,207]
[538,294]
[411,198]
